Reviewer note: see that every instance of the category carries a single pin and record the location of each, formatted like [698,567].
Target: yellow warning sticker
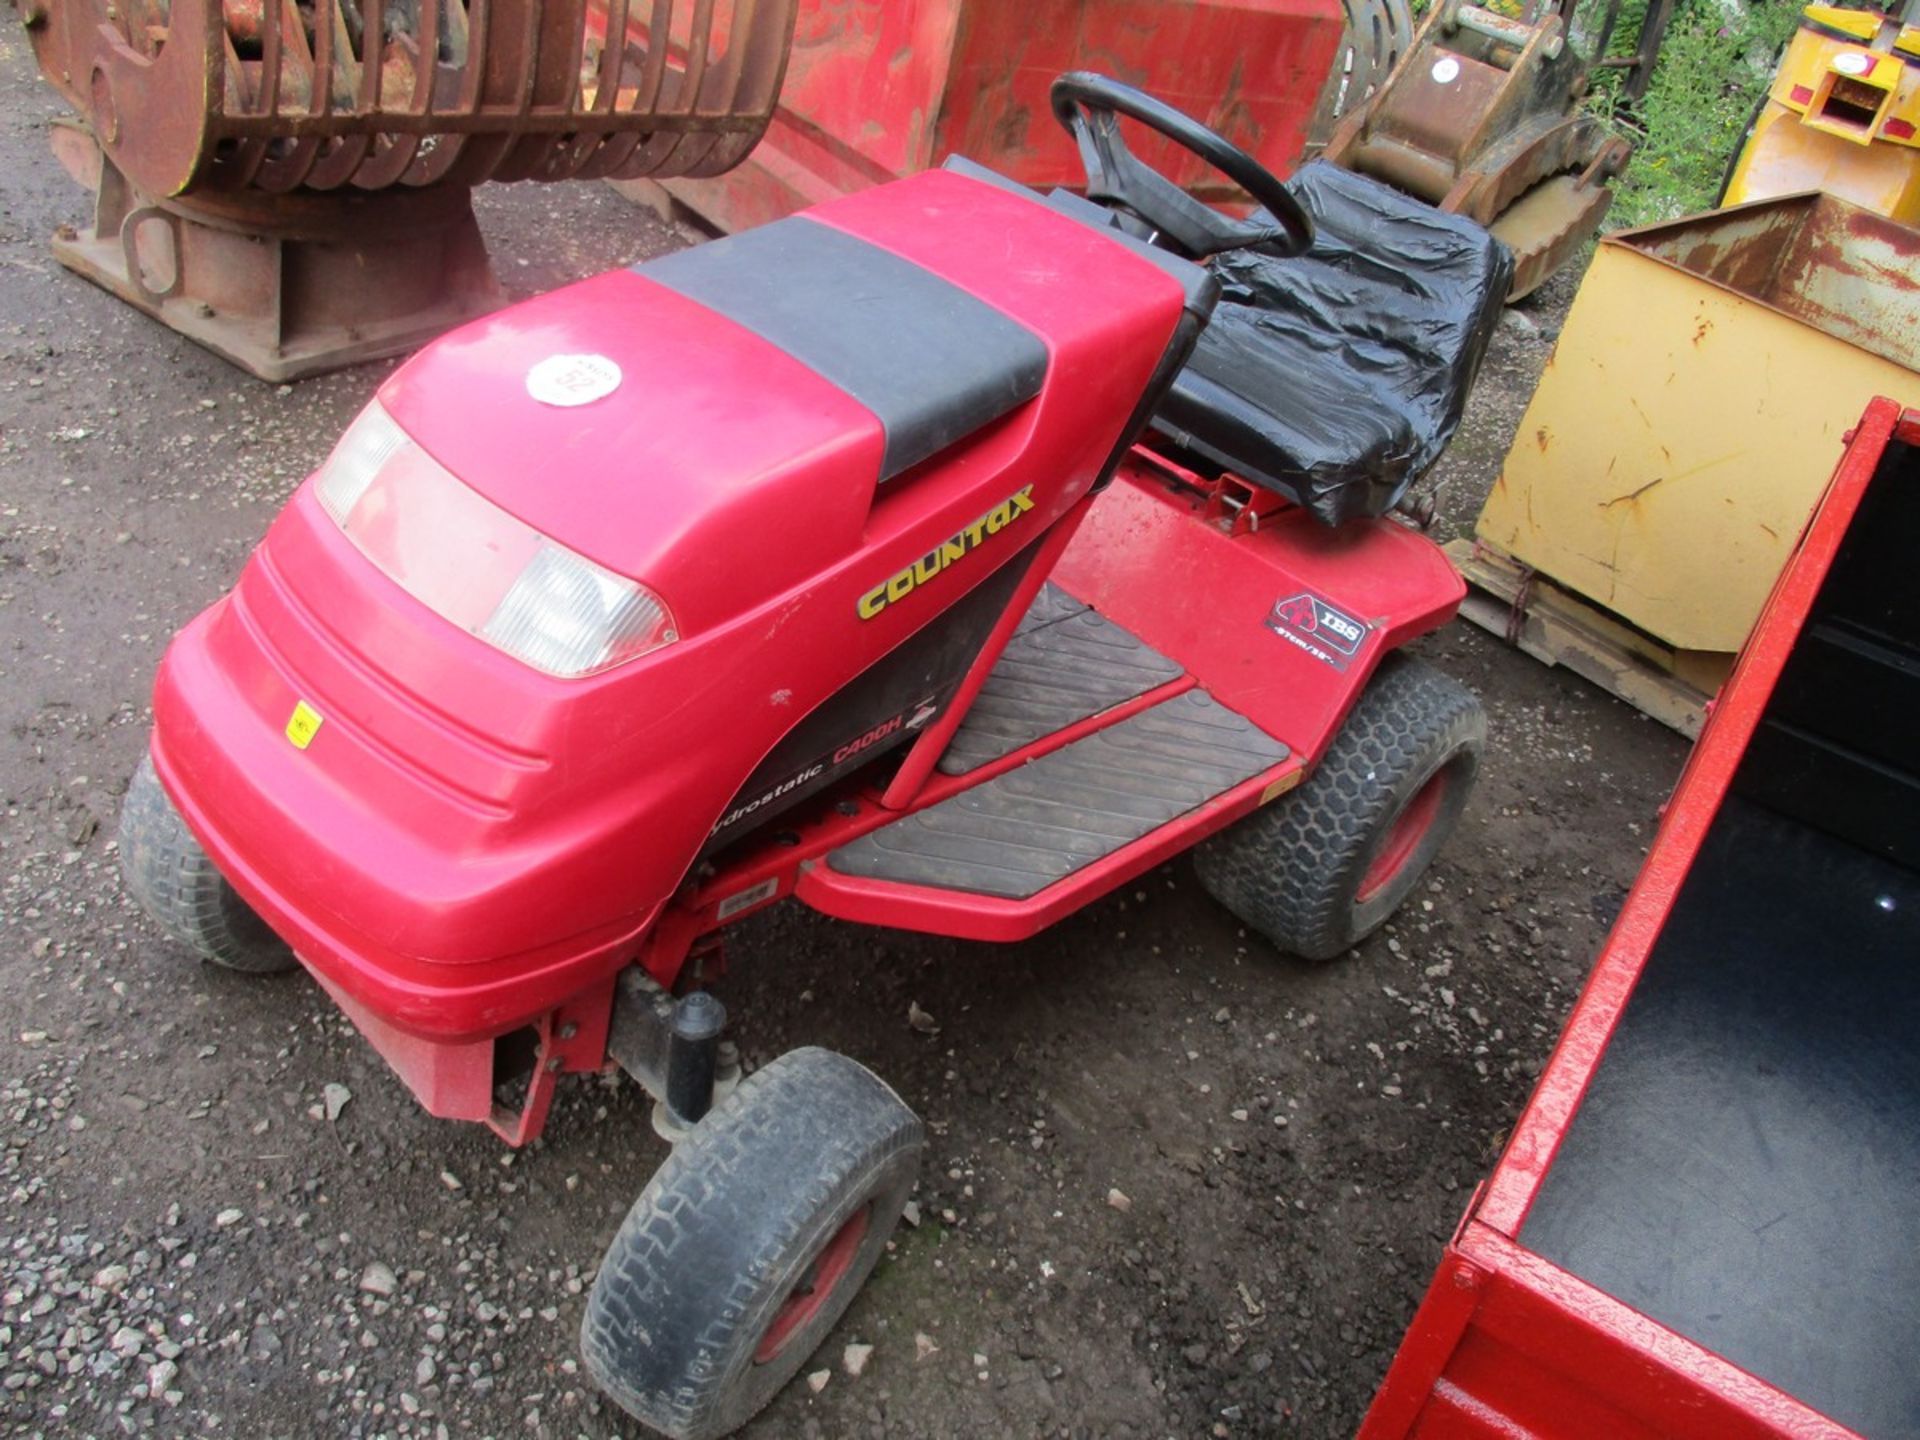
[1280,787]
[304,725]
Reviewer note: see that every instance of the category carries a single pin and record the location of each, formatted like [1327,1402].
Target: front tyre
[1323,867]
[181,889]
[749,1243]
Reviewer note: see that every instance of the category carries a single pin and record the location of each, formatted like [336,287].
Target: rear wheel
[180,887]
[749,1243]
[1323,867]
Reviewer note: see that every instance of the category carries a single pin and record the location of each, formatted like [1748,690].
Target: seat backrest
[1415,293]
[1422,266]
[1342,373]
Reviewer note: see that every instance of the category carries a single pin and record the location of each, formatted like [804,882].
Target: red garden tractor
[943,557]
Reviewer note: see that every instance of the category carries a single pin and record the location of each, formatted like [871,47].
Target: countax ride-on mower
[829,560]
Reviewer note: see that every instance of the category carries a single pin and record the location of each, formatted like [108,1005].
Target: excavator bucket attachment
[288,181]
[1482,117]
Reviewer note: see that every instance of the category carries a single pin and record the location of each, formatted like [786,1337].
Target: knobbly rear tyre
[1323,867]
[702,1310]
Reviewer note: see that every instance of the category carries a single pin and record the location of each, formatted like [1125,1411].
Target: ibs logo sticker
[1330,635]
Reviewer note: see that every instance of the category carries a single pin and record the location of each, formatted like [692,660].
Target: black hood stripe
[929,360]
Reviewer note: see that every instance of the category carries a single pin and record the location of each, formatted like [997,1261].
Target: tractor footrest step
[1066,663]
[1022,831]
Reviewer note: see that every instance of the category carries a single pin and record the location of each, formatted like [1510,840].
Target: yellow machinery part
[1695,404]
[1784,157]
[1841,117]
[1862,25]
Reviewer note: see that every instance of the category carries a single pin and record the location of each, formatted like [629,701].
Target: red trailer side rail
[1510,1340]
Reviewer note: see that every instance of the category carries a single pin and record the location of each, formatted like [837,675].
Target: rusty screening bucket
[280,94]
[205,112]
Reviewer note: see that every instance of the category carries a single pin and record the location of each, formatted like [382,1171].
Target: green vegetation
[1713,70]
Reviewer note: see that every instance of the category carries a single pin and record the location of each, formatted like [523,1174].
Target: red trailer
[1707,1221]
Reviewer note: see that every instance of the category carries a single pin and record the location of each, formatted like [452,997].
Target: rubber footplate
[1022,831]
[1064,664]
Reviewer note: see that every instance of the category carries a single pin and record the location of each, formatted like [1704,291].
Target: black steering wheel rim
[1085,104]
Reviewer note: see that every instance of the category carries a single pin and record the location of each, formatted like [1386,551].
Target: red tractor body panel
[466,846]
[462,864]
[1328,602]
[876,91]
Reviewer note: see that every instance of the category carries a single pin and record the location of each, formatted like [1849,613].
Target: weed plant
[1706,89]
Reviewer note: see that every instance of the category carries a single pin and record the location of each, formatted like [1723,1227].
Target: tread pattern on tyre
[180,887]
[1290,870]
[683,1295]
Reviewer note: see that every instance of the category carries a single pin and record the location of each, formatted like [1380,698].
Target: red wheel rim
[815,1288]
[1409,828]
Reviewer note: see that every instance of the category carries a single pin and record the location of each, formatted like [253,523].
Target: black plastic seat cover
[1338,376]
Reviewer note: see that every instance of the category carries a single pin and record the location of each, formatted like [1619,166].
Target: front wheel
[749,1243]
[1323,867]
[178,885]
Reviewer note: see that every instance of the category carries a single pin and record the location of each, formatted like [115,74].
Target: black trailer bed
[1745,1167]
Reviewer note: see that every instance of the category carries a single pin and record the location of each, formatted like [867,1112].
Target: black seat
[1338,376]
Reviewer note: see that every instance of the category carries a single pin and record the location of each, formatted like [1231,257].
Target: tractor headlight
[567,616]
[469,561]
[362,453]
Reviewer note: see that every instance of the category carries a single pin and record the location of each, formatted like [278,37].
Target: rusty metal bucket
[299,124]
[1482,117]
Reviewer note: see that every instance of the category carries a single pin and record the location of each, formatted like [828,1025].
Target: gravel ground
[1177,1185]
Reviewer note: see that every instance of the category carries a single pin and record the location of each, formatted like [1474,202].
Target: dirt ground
[189,1247]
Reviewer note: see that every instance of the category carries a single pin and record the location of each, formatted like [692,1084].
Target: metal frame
[1646,46]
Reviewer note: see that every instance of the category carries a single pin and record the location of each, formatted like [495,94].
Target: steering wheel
[1089,106]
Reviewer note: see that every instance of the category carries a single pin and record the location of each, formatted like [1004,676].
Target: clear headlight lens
[567,616]
[370,442]
[472,563]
